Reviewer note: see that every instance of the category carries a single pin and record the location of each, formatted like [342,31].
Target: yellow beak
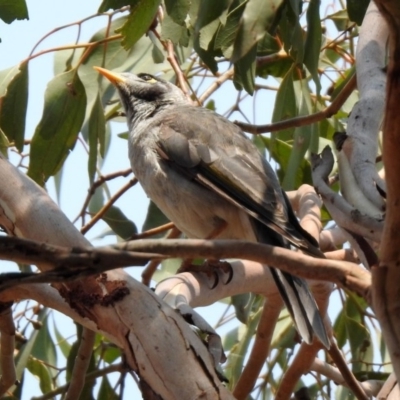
[113,77]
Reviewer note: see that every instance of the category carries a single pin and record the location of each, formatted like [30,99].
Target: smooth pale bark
[159,346]
[386,278]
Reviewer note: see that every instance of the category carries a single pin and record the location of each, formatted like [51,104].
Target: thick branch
[93,261]
[366,117]
[386,293]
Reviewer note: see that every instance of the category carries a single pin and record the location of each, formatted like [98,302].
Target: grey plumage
[203,173]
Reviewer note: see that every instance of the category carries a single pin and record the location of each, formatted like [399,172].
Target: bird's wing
[214,152]
[211,150]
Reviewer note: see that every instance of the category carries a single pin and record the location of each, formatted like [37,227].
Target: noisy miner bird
[212,182]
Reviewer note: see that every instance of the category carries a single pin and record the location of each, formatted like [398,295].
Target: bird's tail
[302,306]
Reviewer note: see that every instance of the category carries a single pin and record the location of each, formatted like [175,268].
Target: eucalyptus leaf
[357,9]
[177,10]
[312,46]
[140,18]
[10,10]
[257,18]
[97,132]
[58,129]
[13,107]
[154,218]
[42,372]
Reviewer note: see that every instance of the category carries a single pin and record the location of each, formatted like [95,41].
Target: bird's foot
[211,268]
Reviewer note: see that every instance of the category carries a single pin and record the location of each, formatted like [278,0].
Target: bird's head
[143,94]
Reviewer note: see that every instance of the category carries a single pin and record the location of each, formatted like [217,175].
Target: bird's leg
[210,266]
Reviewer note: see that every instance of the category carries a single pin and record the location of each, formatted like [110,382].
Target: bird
[211,181]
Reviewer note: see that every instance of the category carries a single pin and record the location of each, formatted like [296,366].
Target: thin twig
[107,206]
[98,183]
[148,272]
[153,232]
[81,365]
[332,109]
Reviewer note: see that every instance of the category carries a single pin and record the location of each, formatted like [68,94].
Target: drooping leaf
[44,348]
[6,75]
[285,105]
[177,10]
[119,223]
[157,54]
[356,10]
[291,31]
[4,144]
[106,392]
[256,20]
[340,19]
[301,138]
[62,342]
[226,33]
[96,135]
[154,217]
[242,304]
[26,349]
[13,107]
[209,17]
[245,71]
[10,10]
[55,136]
[312,46]
[140,18]
[115,4]
[234,366]
[172,31]
[42,372]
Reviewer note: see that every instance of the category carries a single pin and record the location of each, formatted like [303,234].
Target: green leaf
[62,342]
[281,151]
[177,10]
[285,105]
[26,349]
[226,33]
[140,18]
[157,54]
[211,11]
[42,372]
[97,131]
[4,144]
[291,30]
[56,134]
[6,75]
[245,71]
[312,46]
[172,31]
[154,218]
[115,4]
[210,15]
[44,348]
[13,107]
[10,10]
[340,19]
[242,304]
[301,139]
[119,223]
[106,392]
[234,365]
[111,354]
[356,10]
[257,18]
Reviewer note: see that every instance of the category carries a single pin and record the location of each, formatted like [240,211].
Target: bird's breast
[195,210]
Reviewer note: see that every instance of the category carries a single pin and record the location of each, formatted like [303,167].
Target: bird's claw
[210,268]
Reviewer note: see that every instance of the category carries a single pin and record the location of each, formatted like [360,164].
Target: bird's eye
[147,78]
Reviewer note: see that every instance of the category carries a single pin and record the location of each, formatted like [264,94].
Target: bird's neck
[141,111]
